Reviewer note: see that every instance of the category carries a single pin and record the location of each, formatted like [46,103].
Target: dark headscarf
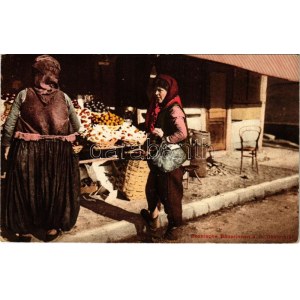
[46,74]
[170,85]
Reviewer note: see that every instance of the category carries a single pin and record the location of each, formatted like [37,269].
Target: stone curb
[121,230]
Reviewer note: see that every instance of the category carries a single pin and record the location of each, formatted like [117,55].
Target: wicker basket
[105,144]
[132,179]
[137,142]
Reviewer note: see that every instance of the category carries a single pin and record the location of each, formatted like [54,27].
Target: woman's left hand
[158,132]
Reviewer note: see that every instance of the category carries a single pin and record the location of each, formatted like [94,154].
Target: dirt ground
[274,219]
[273,164]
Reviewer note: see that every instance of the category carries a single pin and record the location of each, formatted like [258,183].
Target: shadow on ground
[113,212]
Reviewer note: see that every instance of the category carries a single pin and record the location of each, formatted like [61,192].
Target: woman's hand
[6,152]
[158,132]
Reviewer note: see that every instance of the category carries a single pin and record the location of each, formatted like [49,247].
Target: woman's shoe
[24,238]
[151,222]
[173,233]
[52,234]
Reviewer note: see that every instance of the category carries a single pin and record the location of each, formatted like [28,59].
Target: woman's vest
[164,121]
[45,119]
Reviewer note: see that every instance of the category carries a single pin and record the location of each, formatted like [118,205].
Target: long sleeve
[12,118]
[178,119]
[72,114]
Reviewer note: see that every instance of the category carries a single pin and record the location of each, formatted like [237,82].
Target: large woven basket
[105,144]
[134,142]
[132,179]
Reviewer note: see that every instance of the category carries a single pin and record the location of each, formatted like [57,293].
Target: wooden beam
[229,131]
[263,100]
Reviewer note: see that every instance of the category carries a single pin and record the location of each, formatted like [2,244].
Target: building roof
[285,66]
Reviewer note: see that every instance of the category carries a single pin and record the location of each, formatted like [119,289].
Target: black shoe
[173,233]
[52,235]
[24,238]
[151,222]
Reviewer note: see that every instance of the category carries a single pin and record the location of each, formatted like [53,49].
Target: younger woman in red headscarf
[165,119]
[42,182]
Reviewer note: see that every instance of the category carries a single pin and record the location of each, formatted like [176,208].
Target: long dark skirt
[42,186]
[166,188]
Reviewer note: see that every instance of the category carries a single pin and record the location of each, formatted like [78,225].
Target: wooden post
[203,125]
[229,131]
[263,100]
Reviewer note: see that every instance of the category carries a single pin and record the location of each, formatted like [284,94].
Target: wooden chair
[249,136]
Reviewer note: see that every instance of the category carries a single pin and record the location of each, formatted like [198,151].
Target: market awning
[285,66]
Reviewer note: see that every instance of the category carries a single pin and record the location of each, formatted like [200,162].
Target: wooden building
[221,93]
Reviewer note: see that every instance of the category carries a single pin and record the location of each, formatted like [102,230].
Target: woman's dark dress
[42,184]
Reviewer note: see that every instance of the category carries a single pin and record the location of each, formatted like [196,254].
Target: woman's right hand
[6,151]
[158,132]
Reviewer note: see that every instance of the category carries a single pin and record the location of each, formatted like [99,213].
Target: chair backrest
[249,136]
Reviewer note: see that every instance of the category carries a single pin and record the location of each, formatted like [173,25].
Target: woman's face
[160,94]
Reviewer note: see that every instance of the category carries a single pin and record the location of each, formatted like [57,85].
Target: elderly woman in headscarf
[42,183]
[165,120]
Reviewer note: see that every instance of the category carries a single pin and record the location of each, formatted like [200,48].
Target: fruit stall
[106,146]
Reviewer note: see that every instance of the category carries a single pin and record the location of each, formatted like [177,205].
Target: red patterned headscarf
[170,84]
